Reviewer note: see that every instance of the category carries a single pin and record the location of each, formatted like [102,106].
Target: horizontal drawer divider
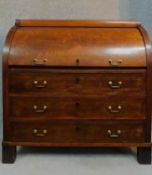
[59,119]
[22,69]
[80,120]
[47,95]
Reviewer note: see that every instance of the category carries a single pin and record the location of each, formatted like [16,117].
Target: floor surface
[69,161]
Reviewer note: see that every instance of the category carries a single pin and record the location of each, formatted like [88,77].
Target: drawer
[77,132]
[102,83]
[40,108]
[77,46]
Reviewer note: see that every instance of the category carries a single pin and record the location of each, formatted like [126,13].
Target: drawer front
[109,47]
[77,132]
[74,84]
[40,108]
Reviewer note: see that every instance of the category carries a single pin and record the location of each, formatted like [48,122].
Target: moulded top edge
[76,23]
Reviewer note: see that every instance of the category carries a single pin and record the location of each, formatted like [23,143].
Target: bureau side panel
[148,50]
[6,54]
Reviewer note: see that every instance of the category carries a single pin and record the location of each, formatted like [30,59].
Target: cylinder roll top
[97,44]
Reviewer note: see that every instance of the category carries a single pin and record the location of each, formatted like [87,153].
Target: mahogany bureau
[77,83]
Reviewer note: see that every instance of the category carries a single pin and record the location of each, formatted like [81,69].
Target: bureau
[77,83]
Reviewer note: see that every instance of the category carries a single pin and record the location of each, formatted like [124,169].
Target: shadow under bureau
[77,83]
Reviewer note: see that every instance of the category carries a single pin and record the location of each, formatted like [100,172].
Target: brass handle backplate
[38,84]
[115,135]
[39,133]
[115,110]
[115,86]
[39,110]
[40,61]
[117,63]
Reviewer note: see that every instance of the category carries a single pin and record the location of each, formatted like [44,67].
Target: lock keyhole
[77,104]
[77,128]
[77,80]
[77,61]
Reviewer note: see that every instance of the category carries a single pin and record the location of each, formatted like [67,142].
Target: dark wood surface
[144,155]
[76,95]
[8,41]
[8,154]
[93,145]
[78,83]
[77,132]
[40,108]
[64,69]
[148,85]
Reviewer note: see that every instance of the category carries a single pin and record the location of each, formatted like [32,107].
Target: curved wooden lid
[75,23]
[78,47]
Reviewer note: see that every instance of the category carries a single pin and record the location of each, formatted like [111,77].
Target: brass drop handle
[37,84]
[39,110]
[115,135]
[117,63]
[38,133]
[116,110]
[40,61]
[113,86]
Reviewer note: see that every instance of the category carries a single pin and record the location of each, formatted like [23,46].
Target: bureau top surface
[89,43]
[76,23]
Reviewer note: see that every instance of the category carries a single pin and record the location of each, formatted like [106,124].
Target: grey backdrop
[71,9]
